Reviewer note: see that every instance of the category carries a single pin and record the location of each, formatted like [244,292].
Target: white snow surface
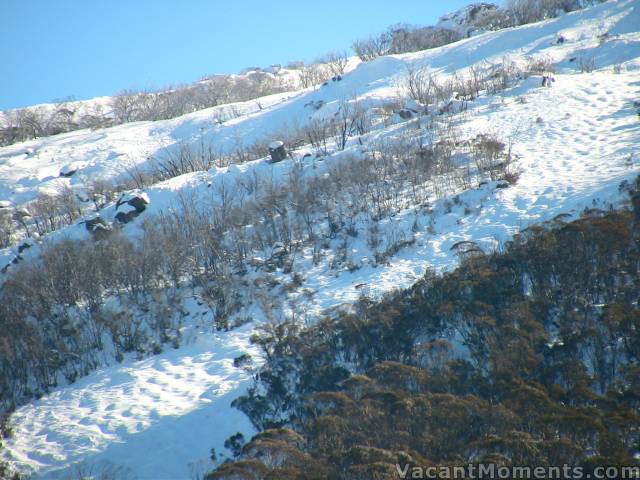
[155,414]
[158,417]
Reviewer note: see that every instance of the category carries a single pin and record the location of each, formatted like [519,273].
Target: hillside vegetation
[529,356]
[173,285]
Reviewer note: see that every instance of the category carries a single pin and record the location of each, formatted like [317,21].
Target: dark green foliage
[525,357]
[235,444]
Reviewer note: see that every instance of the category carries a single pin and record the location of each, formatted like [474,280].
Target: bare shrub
[7,228]
[295,65]
[373,47]
[183,159]
[336,62]
[314,75]
[538,65]
[125,106]
[586,64]
[488,154]
[95,117]
[528,11]
[502,75]
[420,85]
[406,39]
[318,131]
[135,176]
[50,212]
[350,120]
[102,192]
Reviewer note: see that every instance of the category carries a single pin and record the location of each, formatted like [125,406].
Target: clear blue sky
[51,49]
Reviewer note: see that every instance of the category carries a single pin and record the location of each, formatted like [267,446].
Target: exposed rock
[26,244]
[406,114]
[315,104]
[139,203]
[454,105]
[137,199]
[97,226]
[70,169]
[125,216]
[277,151]
[130,205]
[474,19]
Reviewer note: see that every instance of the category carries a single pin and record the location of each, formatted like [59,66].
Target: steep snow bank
[575,143]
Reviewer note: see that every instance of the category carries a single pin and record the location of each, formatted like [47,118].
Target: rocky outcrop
[70,169]
[474,19]
[130,205]
[98,227]
[277,151]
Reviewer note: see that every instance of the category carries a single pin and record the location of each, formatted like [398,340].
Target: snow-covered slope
[154,418]
[575,142]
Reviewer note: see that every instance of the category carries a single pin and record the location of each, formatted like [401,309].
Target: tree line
[526,356]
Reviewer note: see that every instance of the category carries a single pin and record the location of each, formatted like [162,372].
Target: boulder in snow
[97,226]
[130,205]
[315,104]
[70,169]
[474,19]
[406,113]
[454,105]
[26,244]
[277,151]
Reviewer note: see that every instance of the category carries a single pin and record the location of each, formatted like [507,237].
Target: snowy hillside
[572,145]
